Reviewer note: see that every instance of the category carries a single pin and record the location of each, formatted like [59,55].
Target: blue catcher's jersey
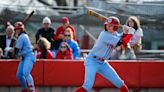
[24,44]
[104,45]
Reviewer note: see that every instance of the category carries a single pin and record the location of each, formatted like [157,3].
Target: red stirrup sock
[24,90]
[80,89]
[32,91]
[124,88]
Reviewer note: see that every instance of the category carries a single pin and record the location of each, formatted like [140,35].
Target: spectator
[46,31]
[59,35]
[124,51]
[43,46]
[7,42]
[65,52]
[60,30]
[68,37]
[128,51]
[136,41]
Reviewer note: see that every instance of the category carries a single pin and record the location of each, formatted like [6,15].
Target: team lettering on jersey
[110,46]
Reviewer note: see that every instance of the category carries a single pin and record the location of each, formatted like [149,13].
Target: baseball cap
[46,20]
[65,20]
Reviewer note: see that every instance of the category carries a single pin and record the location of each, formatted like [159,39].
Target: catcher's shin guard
[24,90]
[124,88]
[80,89]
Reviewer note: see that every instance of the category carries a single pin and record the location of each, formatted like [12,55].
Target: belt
[98,58]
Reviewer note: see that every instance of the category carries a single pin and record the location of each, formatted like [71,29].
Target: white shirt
[8,41]
[136,39]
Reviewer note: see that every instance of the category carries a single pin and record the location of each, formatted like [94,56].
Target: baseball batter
[24,49]
[96,62]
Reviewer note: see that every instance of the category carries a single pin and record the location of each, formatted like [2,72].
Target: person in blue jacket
[68,37]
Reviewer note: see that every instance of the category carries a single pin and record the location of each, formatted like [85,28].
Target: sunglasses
[63,47]
[67,35]
[17,29]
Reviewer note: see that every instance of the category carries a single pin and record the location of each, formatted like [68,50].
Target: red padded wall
[71,73]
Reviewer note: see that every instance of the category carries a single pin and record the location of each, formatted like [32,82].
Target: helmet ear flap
[115,28]
[105,27]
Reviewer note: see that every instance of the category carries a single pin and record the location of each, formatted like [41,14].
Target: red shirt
[126,38]
[48,55]
[60,30]
[64,55]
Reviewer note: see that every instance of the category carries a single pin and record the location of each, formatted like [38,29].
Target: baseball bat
[5,23]
[28,16]
[97,15]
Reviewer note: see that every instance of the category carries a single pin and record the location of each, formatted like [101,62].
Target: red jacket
[64,55]
[48,55]
[60,30]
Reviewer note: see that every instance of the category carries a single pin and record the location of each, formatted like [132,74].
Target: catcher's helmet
[113,21]
[19,25]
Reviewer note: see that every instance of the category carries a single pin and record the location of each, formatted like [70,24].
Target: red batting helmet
[19,25]
[113,21]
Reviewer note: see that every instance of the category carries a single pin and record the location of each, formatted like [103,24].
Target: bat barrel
[28,16]
[97,15]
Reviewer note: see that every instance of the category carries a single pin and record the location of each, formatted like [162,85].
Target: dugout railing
[141,55]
